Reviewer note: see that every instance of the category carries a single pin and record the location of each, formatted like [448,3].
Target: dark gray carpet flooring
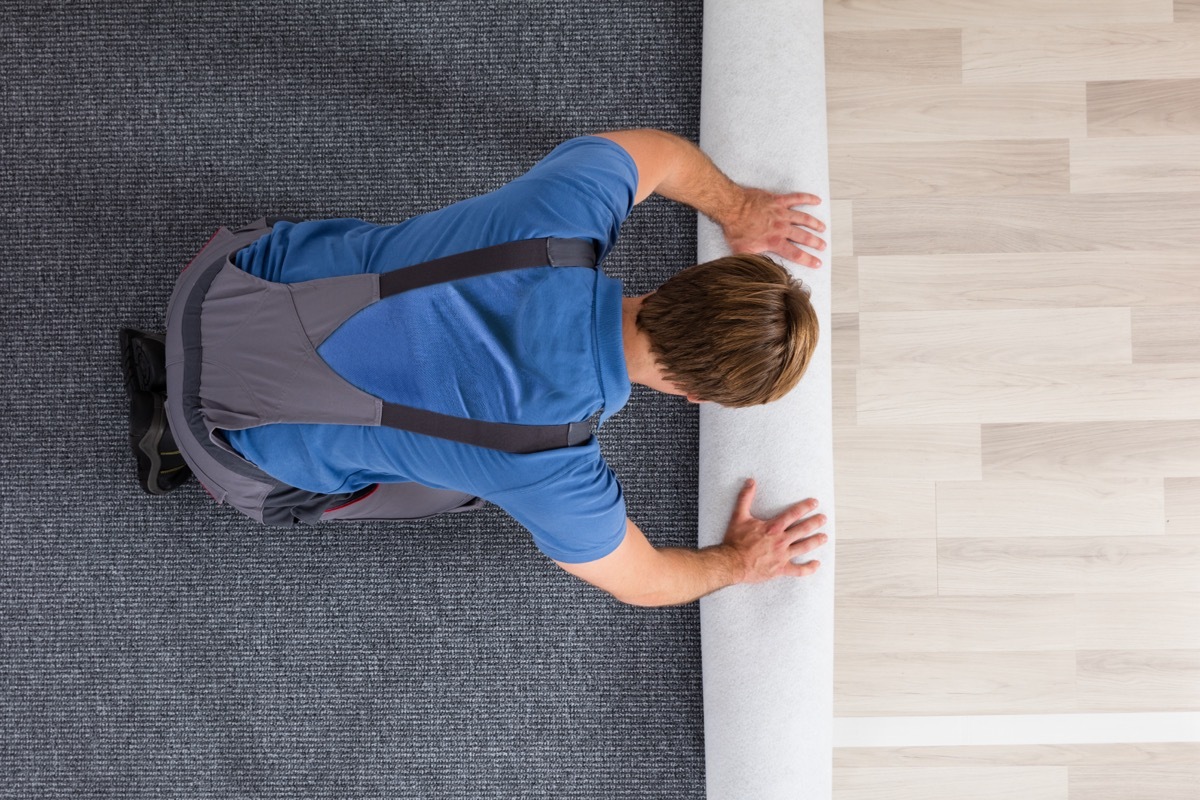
[169,648]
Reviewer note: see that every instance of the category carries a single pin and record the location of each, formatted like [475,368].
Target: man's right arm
[753,220]
[753,550]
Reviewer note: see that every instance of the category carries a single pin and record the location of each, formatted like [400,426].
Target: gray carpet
[168,648]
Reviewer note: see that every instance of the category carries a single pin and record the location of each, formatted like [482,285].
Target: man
[484,360]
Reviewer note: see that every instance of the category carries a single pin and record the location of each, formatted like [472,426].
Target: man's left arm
[753,220]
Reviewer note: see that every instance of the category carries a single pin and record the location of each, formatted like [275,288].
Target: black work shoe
[143,360]
[161,468]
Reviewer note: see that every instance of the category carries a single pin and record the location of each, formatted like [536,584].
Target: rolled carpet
[767,649]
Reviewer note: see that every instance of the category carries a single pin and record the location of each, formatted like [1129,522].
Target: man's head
[737,331]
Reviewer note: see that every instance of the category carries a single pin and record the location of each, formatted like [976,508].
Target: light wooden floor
[1016,256]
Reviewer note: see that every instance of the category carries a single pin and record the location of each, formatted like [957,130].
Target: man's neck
[636,343]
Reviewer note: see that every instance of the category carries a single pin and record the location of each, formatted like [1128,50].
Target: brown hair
[738,331]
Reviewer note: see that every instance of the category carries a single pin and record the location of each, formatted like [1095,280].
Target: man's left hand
[768,222]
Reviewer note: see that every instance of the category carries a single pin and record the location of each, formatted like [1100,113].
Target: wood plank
[1142,164]
[841,229]
[1143,108]
[887,568]
[953,113]
[901,169]
[1097,755]
[1014,394]
[1098,449]
[893,57]
[845,338]
[1187,10]
[1176,782]
[954,624]
[990,337]
[1182,505]
[1026,508]
[845,410]
[1028,280]
[885,14]
[1069,564]
[885,508]
[1155,621]
[913,452]
[1138,680]
[901,684]
[1166,335]
[1080,52]
[844,279]
[1011,566]
[1183,497]
[1157,221]
[951,783]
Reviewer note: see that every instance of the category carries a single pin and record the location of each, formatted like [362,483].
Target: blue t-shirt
[535,346]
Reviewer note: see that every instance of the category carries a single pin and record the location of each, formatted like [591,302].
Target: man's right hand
[766,547]
[768,223]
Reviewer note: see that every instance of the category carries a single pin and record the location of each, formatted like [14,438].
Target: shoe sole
[128,368]
[146,448]
[133,366]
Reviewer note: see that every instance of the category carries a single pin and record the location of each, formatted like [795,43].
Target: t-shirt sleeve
[585,188]
[577,515]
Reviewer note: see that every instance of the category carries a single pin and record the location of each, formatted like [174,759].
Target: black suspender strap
[488,260]
[504,436]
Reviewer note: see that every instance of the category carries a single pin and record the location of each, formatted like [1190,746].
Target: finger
[797,256]
[807,220]
[805,529]
[807,544]
[793,514]
[806,239]
[741,509]
[802,570]
[799,199]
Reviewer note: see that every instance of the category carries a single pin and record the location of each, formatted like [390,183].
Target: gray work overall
[242,352]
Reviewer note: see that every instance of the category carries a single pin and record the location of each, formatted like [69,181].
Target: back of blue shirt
[535,346]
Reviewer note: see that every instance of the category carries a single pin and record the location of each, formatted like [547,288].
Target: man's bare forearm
[686,575]
[675,168]
[695,180]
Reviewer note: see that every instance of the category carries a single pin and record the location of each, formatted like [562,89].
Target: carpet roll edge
[767,649]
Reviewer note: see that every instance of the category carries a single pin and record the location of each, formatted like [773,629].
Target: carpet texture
[168,648]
